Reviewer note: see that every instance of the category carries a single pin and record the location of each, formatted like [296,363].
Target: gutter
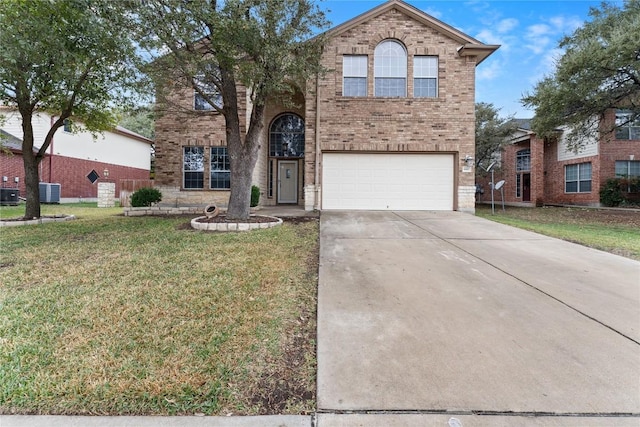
[317,136]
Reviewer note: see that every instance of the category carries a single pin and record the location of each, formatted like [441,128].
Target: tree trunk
[243,157]
[31,175]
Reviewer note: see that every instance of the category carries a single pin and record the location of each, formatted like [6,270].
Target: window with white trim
[626,127]
[193,167]
[390,69]
[577,178]
[354,74]
[425,76]
[220,169]
[66,125]
[205,95]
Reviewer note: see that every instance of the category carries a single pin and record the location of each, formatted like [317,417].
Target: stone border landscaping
[234,226]
[41,220]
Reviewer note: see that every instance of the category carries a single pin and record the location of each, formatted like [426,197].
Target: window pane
[220,169]
[523,160]
[518,177]
[354,66]
[571,173]
[585,186]
[286,136]
[622,170]
[425,66]
[391,87]
[571,187]
[634,168]
[355,86]
[194,180]
[193,167]
[425,88]
[390,69]
[585,171]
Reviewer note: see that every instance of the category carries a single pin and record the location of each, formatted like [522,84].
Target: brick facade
[69,172]
[334,123]
[548,172]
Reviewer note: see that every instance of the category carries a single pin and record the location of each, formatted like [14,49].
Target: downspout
[317,136]
[51,152]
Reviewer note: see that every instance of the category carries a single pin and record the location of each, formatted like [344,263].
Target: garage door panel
[387,181]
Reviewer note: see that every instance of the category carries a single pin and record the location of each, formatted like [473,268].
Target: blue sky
[528,31]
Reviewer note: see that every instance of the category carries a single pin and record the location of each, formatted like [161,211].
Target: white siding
[589,148]
[108,147]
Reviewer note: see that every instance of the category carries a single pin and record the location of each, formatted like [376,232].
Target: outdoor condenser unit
[49,193]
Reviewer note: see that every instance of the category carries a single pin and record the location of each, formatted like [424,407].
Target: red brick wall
[70,173]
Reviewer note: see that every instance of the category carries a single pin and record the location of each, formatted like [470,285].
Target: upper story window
[390,69]
[626,126]
[286,136]
[425,76]
[193,167]
[66,125]
[209,94]
[354,72]
[523,160]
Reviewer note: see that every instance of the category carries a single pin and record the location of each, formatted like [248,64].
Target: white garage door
[387,181]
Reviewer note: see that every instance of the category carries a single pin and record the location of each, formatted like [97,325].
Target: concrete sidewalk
[449,313]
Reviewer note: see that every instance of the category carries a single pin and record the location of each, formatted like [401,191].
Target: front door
[526,187]
[287,181]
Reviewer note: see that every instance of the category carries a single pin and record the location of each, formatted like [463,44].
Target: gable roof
[468,45]
[10,142]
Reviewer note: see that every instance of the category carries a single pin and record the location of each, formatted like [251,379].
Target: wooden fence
[128,186]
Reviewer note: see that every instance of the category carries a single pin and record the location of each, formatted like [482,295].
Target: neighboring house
[77,161]
[390,126]
[538,171]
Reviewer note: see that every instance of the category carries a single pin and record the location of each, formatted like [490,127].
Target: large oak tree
[599,70]
[216,47]
[72,59]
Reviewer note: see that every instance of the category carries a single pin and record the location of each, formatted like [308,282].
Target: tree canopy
[69,58]
[214,47]
[599,70]
[492,132]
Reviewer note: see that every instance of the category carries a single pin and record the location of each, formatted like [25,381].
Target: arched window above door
[286,136]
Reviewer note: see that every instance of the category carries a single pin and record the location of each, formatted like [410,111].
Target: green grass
[114,315]
[617,232]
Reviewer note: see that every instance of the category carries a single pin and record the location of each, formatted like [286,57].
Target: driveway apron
[445,312]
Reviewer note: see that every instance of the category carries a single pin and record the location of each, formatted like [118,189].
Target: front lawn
[615,231]
[115,315]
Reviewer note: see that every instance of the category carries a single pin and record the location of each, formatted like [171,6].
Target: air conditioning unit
[9,196]
[49,193]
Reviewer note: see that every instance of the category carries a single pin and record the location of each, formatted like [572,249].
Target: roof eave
[480,51]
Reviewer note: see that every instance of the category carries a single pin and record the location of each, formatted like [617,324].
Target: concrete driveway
[446,313]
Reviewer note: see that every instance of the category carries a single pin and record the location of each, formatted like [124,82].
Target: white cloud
[433,12]
[489,71]
[506,25]
[566,25]
[538,30]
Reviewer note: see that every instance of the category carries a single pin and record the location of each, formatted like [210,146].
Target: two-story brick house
[540,171]
[389,126]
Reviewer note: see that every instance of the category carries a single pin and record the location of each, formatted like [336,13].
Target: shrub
[611,193]
[255,195]
[145,197]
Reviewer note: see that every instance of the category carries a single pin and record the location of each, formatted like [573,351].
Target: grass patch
[614,231]
[114,315]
